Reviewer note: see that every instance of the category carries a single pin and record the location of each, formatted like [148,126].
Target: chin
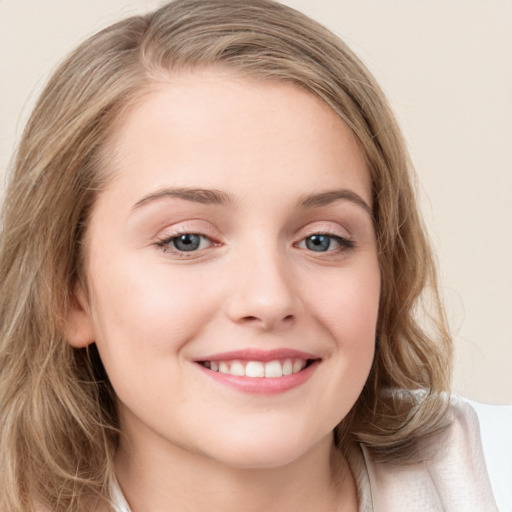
[267,451]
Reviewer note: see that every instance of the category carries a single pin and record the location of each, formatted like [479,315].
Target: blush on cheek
[351,318]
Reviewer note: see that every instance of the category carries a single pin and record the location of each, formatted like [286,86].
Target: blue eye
[187,242]
[319,243]
[325,243]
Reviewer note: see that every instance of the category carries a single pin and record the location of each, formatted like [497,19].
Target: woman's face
[233,272]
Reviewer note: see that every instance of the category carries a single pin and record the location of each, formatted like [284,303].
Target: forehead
[200,127]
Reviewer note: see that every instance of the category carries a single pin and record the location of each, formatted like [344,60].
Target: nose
[262,292]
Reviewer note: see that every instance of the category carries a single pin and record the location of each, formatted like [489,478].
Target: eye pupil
[187,242]
[318,242]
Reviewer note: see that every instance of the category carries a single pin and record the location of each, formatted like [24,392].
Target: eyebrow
[326,198]
[197,195]
[217,197]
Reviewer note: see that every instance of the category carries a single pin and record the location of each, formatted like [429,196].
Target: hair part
[59,427]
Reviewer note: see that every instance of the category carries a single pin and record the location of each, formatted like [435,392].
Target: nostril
[267,321]
[250,318]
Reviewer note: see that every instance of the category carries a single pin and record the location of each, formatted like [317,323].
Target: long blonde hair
[58,422]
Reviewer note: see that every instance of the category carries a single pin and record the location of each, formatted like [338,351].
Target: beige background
[446,66]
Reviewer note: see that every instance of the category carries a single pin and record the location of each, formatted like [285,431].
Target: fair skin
[236,235]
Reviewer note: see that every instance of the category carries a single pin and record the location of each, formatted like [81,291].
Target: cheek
[348,303]
[143,320]
[149,308]
[348,311]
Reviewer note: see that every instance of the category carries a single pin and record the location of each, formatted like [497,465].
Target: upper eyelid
[195,226]
[323,228]
[205,228]
[172,236]
[174,232]
[165,236]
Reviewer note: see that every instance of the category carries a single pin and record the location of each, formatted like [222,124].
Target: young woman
[212,277]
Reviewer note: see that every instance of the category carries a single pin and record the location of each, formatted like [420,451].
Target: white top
[452,475]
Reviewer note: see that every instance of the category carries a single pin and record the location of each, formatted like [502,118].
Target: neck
[157,480]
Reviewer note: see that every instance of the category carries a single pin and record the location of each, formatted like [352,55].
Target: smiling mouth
[257,369]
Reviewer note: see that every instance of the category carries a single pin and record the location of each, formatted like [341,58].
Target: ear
[78,325]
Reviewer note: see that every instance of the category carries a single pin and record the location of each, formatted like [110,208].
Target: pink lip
[259,355]
[261,385]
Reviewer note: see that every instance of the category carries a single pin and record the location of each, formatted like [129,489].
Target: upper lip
[253,354]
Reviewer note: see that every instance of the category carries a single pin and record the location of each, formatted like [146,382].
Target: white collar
[119,501]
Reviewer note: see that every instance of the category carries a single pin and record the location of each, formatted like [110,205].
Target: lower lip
[262,385]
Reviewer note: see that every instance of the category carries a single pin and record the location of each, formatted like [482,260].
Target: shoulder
[495,423]
[448,473]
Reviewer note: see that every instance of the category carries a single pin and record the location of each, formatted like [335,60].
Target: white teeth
[271,369]
[237,368]
[254,369]
[298,364]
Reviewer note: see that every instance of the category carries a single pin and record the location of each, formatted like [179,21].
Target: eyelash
[344,244]
[167,243]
